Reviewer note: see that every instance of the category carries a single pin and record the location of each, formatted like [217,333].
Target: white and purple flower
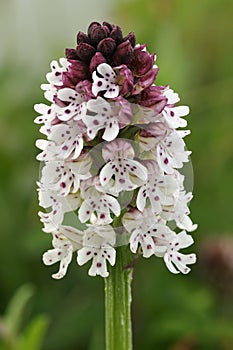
[112,154]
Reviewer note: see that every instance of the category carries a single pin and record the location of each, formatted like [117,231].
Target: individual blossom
[179,211]
[104,79]
[74,105]
[55,78]
[100,116]
[65,141]
[128,173]
[97,205]
[63,248]
[98,242]
[171,113]
[158,189]
[156,238]
[56,206]
[174,257]
[110,116]
[164,145]
[64,176]
[138,224]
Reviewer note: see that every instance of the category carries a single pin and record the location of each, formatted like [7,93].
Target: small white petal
[107,81]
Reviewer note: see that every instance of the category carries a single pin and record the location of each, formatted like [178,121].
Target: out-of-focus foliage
[14,333]
[193,41]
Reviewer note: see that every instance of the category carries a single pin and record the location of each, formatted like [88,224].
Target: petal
[84,212]
[111,255]
[69,95]
[98,267]
[63,265]
[137,169]
[134,241]
[184,240]
[169,264]
[83,255]
[107,83]
[113,204]
[111,131]
[51,256]
[105,174]
[141,198]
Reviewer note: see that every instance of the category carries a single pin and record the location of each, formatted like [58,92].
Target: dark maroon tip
[82,38]
[85,51]
[71,54]
[116,34]
[143,61]
[92,26]
[97,34]
[123,53]
[131,37]
[106,46]
[108,25]
[97,59]
[78,70]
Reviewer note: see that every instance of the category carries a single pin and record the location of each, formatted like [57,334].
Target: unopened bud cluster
[111,155]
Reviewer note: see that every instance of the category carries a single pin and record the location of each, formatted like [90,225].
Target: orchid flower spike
[112,152]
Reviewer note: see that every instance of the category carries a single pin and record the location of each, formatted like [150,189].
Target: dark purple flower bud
[116,34]
[124,79]
[97,34]
[145,81]
[143,61]
[131,37]
[85,51]
[108,25]
[92,26]
[82,38]
[153,97]
[78,70]
[67,80]
[123,53]
[97,59]
[71,54]
[106,46]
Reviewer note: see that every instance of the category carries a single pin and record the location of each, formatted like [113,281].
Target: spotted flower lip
[98,244]
[97,205]
[112,152]
[122,166]
[105,81]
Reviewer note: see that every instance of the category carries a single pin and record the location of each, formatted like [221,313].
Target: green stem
[118,303]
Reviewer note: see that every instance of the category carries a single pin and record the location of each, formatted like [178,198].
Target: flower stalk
[118,303]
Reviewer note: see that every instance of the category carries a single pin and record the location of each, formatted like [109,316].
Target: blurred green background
[194,46]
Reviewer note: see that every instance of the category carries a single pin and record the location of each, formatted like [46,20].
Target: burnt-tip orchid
[112,154]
